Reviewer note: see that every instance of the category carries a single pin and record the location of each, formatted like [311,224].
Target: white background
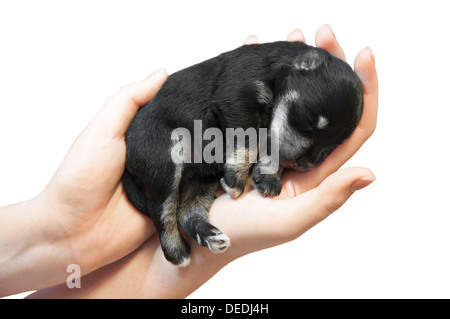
[61,60]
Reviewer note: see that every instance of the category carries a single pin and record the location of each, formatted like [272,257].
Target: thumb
[335,190]
[115,116]
[306,210]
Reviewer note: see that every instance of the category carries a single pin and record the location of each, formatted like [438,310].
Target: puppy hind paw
[211,237]
[177,253]
[217,243]
[180,260]
[184,262]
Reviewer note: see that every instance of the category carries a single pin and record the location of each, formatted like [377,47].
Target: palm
[87,185]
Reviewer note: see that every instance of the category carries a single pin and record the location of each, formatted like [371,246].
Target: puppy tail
[134,194]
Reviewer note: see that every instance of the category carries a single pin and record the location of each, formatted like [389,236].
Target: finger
[365,68]
[252,39]
[296,35]
[115,116]
[367,73]
[300,213]
[326,39]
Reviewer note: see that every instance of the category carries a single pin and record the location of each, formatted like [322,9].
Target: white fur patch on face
[279,121]
[264,94]
[322,122]
[289,140]
[280,116]
[291,96]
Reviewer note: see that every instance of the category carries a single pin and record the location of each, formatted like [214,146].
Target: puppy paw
[176,250]
[267,184]
[208,235]
[183,262]
[234,192]
[218,242]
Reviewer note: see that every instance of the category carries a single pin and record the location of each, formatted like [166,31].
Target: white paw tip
[233,192]
[218,243]
[185,262]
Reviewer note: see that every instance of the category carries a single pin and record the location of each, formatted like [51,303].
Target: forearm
[163,280]
[32,253]
[145,273]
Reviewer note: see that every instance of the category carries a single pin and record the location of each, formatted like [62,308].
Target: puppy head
[318,104]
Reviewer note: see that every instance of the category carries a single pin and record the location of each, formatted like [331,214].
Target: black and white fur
[313,98]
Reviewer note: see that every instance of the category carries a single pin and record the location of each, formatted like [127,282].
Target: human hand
[102,226]
[82,216]
[85,196]
[252,222]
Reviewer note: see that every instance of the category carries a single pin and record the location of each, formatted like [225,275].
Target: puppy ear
[309,60]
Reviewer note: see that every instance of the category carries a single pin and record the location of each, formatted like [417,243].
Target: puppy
[307,101]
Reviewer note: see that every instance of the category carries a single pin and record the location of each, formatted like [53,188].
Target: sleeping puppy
[300,101]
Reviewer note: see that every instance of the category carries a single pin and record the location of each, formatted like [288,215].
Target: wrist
[33,253]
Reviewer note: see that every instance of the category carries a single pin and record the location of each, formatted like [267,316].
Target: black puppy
[308,101]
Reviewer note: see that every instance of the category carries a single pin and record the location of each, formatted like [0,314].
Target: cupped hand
[252,222]
[87,185]
[85,197]
[255,222]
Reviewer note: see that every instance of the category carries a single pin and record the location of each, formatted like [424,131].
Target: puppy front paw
[218,242]
[266,184]
[234,192]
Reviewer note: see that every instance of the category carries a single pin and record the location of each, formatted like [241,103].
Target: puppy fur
[311,99]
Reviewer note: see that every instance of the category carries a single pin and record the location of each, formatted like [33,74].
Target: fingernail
[371,53]
[252,39]
[162,70]
[361,183]
[296,35]
[158,73]
[329,28]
